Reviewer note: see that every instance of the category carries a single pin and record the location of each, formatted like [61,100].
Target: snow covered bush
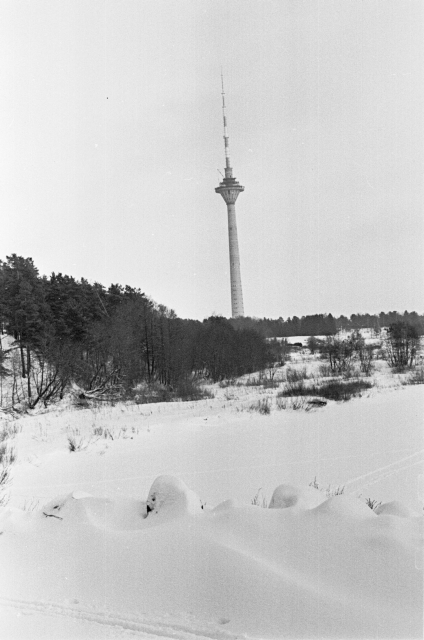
[170,495]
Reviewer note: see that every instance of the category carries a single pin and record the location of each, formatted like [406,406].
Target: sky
[111,140]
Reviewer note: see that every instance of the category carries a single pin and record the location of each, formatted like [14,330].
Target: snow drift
[308,567]
[133,535]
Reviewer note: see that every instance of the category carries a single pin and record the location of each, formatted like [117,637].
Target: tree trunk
[21,348]
[28,371]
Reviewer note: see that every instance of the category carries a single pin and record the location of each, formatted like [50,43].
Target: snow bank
[333,570]
[286,495]
[396,508]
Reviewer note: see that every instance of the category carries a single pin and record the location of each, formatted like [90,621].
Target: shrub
[267,380]
[294,404]
[261,406]
[314,344]
[325,371]
[229,382]
[337,390]
[340,353]
[415,377]
[402,343]
[7,458]
[9,431]
[146,393]
[296,375]
[191,390]
[366,357]
[186,389]
[7,455]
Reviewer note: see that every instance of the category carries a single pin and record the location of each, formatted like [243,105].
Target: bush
[325,371]
[314,344]
[402,344]
[7,458]
[146,393]
[340,353]
[186,389]
[337,390]
[190,390]
[415,377]
[296,375]
[294,404]
[261,406]
[263,380]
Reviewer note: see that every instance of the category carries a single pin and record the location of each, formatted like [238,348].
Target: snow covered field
[80,559]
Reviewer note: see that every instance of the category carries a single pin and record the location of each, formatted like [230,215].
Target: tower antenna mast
[226,137]
[229,189]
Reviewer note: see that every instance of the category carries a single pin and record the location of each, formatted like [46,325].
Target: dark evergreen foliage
[77,331]
[327,325]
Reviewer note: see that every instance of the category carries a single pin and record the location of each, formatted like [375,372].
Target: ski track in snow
[389,468]
[143,627]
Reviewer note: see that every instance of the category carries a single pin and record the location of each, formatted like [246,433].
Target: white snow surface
[152,534]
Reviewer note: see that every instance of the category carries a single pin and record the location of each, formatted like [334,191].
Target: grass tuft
[373,504]
[294,404]
[329,491]
[261,406]
[260,500]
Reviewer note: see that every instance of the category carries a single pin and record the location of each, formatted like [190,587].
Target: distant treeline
[69,330]
[323,324]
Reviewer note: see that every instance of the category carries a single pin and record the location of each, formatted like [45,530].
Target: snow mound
[169,495]
[103,513]
[287,495]
[345,506]
[336,570]
[226,505]
[395,508]
[65,507]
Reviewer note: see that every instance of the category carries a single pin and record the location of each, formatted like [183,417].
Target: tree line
[327,324]
[69,330]
[73,331]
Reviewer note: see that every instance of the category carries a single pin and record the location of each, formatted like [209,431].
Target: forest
[323,324]
[118,339]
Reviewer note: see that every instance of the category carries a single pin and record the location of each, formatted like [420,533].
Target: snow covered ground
[92,545]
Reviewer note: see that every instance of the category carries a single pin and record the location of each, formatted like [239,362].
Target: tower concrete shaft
[229,189]
[237,308]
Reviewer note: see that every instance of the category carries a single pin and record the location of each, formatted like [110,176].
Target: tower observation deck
[229,189]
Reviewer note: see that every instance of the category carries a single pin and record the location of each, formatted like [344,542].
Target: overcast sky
[111,136]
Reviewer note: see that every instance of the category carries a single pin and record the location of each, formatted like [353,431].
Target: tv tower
[229,189]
